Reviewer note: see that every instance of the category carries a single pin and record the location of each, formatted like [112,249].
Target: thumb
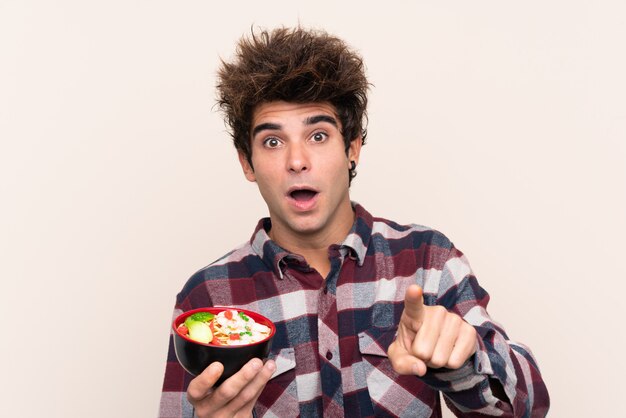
[414,303]
[202,384]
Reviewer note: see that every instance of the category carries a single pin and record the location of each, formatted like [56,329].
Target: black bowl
[195,356]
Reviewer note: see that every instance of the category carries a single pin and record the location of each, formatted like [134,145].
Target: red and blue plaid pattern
[332,335]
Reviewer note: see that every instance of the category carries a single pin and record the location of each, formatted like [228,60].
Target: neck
[313,246]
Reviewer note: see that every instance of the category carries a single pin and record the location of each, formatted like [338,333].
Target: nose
[298,159]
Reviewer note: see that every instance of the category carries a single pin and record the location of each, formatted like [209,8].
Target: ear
[354,151]
[248,171]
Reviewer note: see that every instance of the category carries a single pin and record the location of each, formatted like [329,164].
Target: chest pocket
[391,393]
[280,396]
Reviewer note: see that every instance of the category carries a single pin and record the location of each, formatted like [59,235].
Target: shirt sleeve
[174,401]
[502,378]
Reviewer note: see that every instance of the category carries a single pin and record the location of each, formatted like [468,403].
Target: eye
[319,137]
[271,142]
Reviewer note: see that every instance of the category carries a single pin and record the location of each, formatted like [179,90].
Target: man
[373,318]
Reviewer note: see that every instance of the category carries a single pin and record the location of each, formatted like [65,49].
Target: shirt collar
[277,257]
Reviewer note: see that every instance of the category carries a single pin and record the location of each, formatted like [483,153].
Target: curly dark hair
[293,65]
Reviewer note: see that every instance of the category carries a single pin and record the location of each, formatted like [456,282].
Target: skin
[300,145]
[233,398]
[430,336]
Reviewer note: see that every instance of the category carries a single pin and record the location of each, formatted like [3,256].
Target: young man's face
[301,167]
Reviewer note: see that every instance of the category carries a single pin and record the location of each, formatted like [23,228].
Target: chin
[306,228]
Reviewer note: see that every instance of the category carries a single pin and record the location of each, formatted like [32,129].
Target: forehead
[287,111]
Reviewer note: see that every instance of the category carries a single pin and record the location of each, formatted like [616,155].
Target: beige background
[500,123]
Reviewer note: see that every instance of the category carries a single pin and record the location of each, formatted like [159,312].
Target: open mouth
[303,194]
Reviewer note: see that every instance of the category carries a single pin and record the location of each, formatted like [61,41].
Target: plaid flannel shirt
[332,335]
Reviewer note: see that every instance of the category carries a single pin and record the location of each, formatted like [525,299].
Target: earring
[352,165]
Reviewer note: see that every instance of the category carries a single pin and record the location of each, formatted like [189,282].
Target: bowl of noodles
[228,335]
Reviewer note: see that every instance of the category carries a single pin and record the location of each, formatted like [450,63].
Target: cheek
[336,165]
[268,182]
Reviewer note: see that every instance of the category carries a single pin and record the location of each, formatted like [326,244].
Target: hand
[233,398]
[429,336]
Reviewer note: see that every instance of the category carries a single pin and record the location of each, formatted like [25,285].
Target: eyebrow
[265,127]
[311,120]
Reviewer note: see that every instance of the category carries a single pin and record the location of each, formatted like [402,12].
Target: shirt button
[329,355]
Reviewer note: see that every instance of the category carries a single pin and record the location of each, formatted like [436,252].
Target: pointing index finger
[414,303]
